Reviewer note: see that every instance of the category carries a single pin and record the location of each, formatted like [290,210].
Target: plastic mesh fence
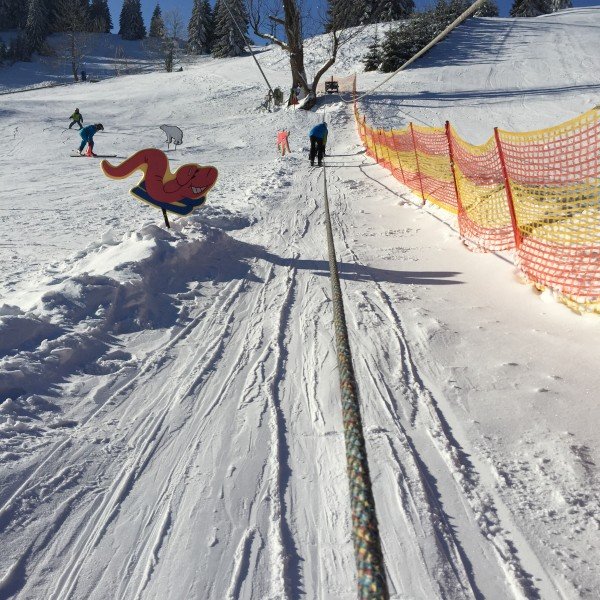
[484,216]
[345,84]
[554,179]
[536,192]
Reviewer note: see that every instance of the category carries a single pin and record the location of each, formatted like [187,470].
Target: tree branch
[277,20]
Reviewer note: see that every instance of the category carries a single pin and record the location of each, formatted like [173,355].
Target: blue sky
[185,7]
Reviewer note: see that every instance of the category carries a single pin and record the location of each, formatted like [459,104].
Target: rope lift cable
[248,44]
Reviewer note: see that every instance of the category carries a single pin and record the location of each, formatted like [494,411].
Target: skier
[87,137]
[318,140]
[76,118]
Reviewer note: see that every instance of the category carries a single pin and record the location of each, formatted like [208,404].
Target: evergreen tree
[5,18]
[100,19]
[489,8]
[530,8]
[229,20]
[37,26]
[13,14]
[201,28]
[19,49]
[404,41]
[372,58]
[560,4]
[393,10]
[131,23]
[70,16]
[157,25]
[343,14]
[446,11]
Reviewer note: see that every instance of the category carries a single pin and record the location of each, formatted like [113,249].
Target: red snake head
[194,180]
[191,181]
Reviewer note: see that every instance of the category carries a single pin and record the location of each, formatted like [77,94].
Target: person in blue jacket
[318,139]
[87,137]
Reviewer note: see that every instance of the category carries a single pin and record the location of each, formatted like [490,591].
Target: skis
[76,155]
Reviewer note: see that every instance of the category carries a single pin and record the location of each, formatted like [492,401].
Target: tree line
[222,30]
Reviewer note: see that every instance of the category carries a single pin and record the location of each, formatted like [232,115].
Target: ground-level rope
[371,580]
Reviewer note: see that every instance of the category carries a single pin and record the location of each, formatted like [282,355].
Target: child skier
[318,139]
[76,118]
[87,137]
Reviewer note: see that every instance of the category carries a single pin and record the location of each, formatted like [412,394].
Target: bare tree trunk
[74,63]
[295,44]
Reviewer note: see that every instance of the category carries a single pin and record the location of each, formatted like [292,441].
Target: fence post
[398,157]
[412,133]
[509,196]
[451,152]
[386,149]
[375,144]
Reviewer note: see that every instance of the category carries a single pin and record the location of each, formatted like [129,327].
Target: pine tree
[131,23]
[37,27]
[5,19]
[100,19]
[530,8]
[343,14]
[447,11]
[19,49]
[13,15]
[70,16]
[489,8]
[560,4]
[157,25]
[393,10]
[402,42]
[200,28]
[229,20]
[372,58]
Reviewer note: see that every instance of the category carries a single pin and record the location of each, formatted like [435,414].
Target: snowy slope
[170,424]
[103,56]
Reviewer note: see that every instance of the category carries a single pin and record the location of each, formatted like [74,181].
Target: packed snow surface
[170,420]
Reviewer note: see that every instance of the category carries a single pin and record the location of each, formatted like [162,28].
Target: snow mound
[115,286]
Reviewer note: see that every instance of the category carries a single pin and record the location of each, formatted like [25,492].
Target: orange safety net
[537,193]
[345,84]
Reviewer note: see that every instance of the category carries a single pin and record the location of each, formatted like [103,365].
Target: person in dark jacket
[76,118]
[318,140]
[87,137]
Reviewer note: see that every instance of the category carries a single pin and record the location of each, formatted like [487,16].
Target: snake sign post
[180,192]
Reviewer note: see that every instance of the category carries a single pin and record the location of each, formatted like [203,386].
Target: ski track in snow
[420,398]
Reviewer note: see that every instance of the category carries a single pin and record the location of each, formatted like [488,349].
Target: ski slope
[170,421]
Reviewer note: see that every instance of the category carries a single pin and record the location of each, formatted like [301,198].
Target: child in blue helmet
[318,140]
[87,137]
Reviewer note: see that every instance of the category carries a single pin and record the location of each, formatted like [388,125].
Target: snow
[170,421]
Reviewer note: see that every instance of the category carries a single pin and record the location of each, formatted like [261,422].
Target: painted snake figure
[180,192]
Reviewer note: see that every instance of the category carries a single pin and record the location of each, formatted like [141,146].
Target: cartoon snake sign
[180,192]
